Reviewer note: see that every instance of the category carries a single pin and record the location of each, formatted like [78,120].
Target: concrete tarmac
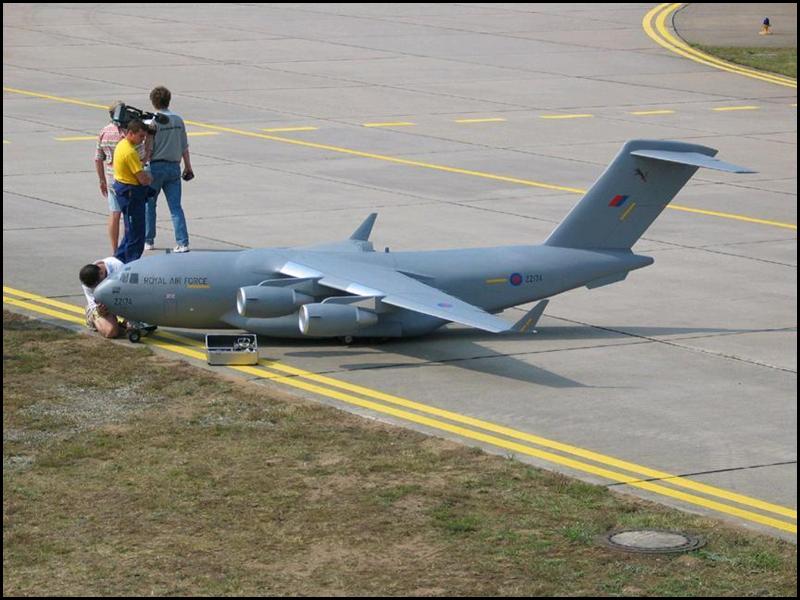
[688,368]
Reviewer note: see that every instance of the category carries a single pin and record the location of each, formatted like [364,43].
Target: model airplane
[347,289]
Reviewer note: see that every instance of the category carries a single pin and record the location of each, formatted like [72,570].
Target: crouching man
[98,317]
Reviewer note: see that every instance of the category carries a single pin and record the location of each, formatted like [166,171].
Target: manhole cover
[650,541]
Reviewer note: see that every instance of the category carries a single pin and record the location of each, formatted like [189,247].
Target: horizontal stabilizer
[694,159]
[527,323]
[607,280]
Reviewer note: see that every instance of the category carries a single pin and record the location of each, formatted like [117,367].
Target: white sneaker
[180,248]
[148,246]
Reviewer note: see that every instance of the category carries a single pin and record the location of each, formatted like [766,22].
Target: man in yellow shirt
[131,183]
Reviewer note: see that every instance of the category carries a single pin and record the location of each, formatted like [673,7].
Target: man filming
[131,184]
[107,141]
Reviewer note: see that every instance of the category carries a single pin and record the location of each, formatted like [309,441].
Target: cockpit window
[124,278]
[134,278]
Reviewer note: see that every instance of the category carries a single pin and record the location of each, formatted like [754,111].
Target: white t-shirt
[113,265]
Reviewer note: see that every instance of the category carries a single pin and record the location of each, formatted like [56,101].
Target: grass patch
[130,474]
[782,61]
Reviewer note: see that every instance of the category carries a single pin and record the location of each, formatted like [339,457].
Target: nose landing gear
[136,329]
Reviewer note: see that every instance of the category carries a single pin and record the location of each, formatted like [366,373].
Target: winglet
[363,231]
[529,321]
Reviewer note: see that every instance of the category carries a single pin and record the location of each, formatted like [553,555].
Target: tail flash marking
[628,211]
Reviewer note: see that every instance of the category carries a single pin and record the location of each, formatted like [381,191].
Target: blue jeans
[131,199]
[167,177]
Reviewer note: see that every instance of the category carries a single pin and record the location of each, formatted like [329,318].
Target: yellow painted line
[497,280]
[295,374]
[43,300]
[43,310]
[86,138]
[566,448]
[76,138]
[724,215]
[55,98]
[198,286]
[643,113]
[487,120]
[395,124]
[544,455]
[726,108]
[578,116]
[424,165]
[481,174]
[627,211]
[470,434]
[654,25]
[288,129]
[391,159]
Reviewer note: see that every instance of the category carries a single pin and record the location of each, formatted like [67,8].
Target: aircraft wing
[393,288]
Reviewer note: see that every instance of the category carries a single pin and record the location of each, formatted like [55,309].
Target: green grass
[131,474]
[774,60]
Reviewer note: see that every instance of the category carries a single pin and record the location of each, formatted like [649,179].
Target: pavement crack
[710,472]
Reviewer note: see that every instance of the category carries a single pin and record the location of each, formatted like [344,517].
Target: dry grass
[776,60]
[129,474]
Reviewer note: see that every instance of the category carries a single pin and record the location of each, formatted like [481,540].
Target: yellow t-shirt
[126,163]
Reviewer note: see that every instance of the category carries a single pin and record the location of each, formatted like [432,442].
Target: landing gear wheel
[347,340]
[137,329]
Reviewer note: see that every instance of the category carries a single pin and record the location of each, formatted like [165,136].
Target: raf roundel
[515,279]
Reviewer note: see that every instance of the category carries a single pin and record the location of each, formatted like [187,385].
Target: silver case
[232,349]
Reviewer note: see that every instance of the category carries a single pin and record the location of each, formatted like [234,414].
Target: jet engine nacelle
[332,320]
[263,302]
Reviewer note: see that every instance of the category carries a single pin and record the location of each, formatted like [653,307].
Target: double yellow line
[654,24]
[469,428]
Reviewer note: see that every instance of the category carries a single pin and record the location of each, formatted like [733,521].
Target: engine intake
[332,320]
[263,302]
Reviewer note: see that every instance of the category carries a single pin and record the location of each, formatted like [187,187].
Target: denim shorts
[113,205]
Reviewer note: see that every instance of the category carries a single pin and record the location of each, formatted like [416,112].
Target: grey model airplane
[346,289]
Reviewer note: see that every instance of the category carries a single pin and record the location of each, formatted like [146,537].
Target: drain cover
[651,541]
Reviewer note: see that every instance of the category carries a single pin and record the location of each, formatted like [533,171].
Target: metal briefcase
[232,349]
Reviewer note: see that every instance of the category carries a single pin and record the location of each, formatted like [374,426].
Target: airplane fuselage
[347,289]
[199,289]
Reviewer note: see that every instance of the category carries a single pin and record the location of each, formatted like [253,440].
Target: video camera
[124,114]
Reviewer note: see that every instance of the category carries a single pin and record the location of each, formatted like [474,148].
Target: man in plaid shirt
[107,141]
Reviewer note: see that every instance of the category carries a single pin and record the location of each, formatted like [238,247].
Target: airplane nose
[102,293]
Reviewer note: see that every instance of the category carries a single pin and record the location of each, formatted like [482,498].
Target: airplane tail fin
[365,229]
[634,189]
